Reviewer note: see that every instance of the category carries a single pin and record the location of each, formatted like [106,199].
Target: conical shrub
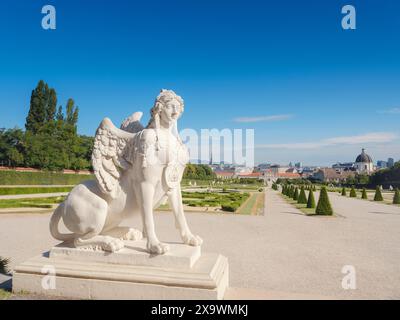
[396,197]
[353,193]
[324,206]
[4,263]
[296,194]
[378,194]
[315,188]
[283,189]
[364,194]
[302,196]
[343,191]
[311,200]
[291,192]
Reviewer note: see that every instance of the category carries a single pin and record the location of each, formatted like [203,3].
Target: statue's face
[170,111]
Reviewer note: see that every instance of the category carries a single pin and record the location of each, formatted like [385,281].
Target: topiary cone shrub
[396,197]
[364,194]
[302,196]
[296,194]
[353,193]
[291,192]
[4,262]
[311,200]
[343,191]
[324,206]
[378,194]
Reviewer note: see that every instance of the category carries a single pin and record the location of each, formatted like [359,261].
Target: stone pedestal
[131,273]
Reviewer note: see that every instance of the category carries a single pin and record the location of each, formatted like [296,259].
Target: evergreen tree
[378,194]
[296,194]
[315,188]
[51,105]
[396,197]
[311,200]
[353,193]
[37,109]
[302,196]
[283,189]
[343,191]
[364,194]
[60,115]
[324,206]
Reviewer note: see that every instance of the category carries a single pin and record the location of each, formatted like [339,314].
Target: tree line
[50,140]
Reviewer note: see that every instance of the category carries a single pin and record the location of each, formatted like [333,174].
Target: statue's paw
[192,240]
[157,248]
[133,234]
[112,244]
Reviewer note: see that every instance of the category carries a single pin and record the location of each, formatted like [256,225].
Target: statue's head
[168,107]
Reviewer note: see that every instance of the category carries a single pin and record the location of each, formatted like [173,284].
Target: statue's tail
[55,219]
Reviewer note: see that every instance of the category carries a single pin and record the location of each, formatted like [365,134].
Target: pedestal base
[68,272]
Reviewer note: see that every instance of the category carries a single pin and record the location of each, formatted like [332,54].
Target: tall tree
[37,108]
[60,115]
[51,105]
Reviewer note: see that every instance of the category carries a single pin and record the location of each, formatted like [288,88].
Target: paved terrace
[282,254]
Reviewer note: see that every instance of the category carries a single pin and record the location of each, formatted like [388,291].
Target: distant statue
[136,169]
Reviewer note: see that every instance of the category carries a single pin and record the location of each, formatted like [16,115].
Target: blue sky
[312,91]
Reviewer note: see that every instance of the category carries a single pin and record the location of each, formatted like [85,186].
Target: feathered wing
[112,155]
[132,123]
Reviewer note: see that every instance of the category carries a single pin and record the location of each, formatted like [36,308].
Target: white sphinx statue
[136,169]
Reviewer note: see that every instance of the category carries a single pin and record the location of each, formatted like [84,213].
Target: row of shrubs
[323,206]
[377,197]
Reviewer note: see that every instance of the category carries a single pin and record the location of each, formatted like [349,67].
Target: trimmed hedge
[41,178]
[324,206]
[364,194]
[378,194]
[302,196]
[311,200]
[396,197]
[10,191]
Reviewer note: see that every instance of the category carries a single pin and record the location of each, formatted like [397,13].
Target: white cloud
[372,137]
[390,111]
[278,117]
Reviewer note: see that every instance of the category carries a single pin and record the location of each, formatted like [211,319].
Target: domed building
[364,163]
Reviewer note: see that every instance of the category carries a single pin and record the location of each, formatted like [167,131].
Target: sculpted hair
[164,96]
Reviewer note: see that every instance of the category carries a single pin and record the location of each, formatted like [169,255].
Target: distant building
[381,164]
[344,166]
[253,175]
[332,175]
[298,165]
[364,163]
[390,162]
[225,174]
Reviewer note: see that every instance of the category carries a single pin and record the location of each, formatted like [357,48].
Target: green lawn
[254,205]
[4,294]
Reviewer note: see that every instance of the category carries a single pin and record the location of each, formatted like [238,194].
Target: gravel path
[280,254]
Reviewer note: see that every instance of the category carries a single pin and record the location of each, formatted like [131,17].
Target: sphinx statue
[136,169]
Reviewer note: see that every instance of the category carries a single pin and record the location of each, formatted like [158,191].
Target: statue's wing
[112,154]
[132,123]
